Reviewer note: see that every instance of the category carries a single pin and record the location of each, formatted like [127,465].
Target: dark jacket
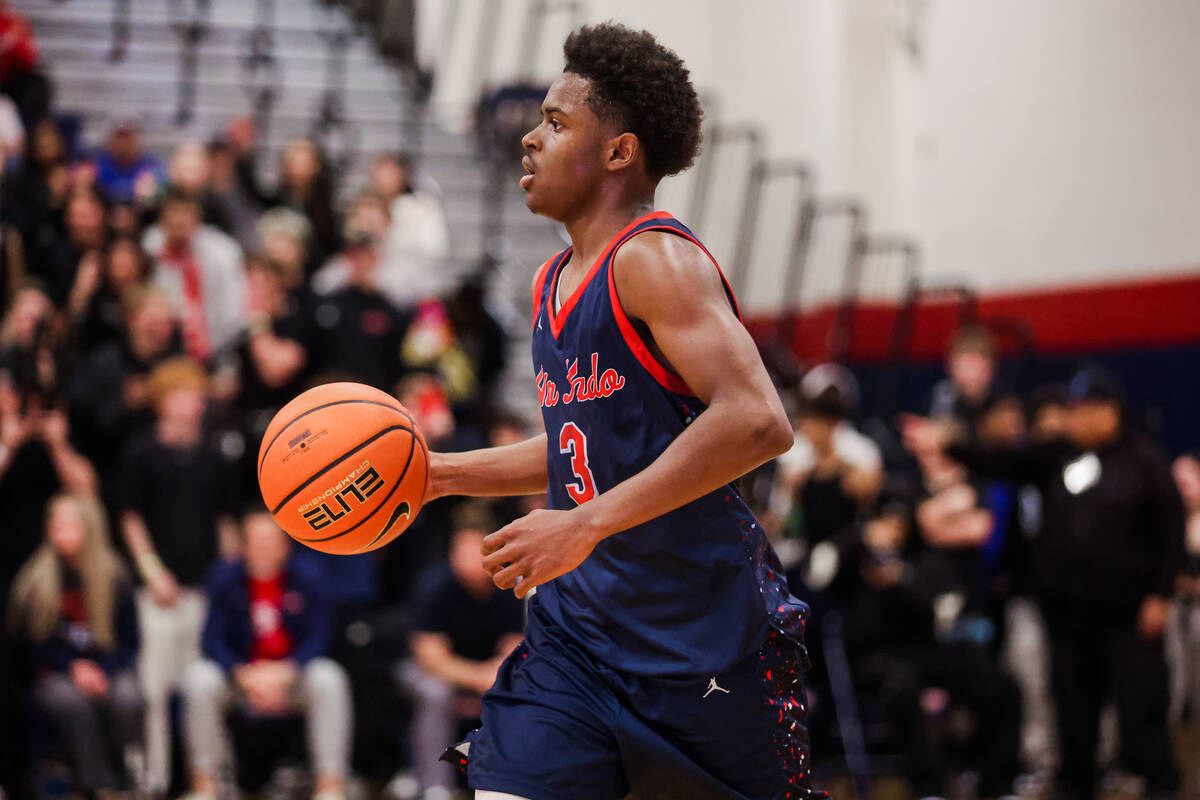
[71,642]
[228,633]
[1110,538]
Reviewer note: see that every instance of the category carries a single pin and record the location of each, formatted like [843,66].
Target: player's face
[565,154]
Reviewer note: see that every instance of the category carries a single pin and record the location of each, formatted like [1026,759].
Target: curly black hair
[641,86]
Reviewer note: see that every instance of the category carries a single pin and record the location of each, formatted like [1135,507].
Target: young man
[663,648]
[265,649]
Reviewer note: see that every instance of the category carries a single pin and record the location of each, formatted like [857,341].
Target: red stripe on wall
[1106,316]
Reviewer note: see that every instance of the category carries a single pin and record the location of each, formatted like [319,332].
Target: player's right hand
[537,548]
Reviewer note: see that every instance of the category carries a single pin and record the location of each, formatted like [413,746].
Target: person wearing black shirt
[37,459]
[358,332]
[108,395]
[1102,568]
[176,517]
[970,376]
[58,261]
[463,628]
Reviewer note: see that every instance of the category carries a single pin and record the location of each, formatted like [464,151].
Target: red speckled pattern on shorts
[780,662]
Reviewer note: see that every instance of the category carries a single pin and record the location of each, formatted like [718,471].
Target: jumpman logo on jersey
[539,322]
[712,687]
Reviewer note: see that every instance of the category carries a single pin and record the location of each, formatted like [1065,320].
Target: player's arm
[515,469]
[670,287]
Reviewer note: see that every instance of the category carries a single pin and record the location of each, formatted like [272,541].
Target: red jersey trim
[633,340]
[539,284]
[558,320]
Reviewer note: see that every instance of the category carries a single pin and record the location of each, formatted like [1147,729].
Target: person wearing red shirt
[265,644]
[20,78]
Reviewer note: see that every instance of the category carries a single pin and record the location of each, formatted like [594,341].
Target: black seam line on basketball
[337,461]
[402,509]
[375,510]
[395,513]
[263,460]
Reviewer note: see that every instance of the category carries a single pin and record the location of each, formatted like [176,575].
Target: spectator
[888,632]
[26,338]
[418,238]
[832,470]
[1183,628]
[12,132]
[482,339]
[304,185]
[176,519]
[359,332]
[463,628]
[200,269]
[1104,564]
[367,213]
[971,371]
[282,237]
[37,458]
[95,307]
[60,261]
[20,77]
[109,392]
[229,199]
[125,174]
[190,170]
[265,642]
[273,357]
[73,601]
[278,338]
[35,192]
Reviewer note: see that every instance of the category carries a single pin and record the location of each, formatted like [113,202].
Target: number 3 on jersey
[571,441]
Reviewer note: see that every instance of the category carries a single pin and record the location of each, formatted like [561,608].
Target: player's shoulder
[660,266]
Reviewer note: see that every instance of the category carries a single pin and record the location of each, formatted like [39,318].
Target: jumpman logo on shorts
[712,687]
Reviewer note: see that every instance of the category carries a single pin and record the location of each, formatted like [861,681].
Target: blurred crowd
[1004,587]
[987,578]
[154,314]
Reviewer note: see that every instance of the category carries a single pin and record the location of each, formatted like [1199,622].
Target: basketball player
[661,657]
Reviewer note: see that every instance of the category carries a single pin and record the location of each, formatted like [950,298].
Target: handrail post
[331,115]
[121,30]
[192,28]
[761,172]
[261,67]
[719,133]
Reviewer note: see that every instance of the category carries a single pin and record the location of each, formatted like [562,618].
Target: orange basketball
[343,468]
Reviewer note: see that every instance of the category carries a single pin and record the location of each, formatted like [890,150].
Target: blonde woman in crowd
[74,603]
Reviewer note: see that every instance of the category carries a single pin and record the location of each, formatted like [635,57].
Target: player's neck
[591,232]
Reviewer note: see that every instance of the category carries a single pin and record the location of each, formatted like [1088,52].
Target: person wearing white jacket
[200,269]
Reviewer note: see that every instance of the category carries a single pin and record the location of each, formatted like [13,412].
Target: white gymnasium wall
[1060,144]
[1028,143]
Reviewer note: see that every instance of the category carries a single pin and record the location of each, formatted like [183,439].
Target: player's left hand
[536,548]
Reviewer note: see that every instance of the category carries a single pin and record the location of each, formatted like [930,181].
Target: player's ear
[623,150]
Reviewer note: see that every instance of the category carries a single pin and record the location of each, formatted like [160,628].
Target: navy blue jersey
[694,591]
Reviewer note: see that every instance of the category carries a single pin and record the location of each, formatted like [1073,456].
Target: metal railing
[190,21]
[720,136]
[762,172]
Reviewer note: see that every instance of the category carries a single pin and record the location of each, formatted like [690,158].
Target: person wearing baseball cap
[1102,569]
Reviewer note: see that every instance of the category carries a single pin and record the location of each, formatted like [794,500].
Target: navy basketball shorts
[558,725]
